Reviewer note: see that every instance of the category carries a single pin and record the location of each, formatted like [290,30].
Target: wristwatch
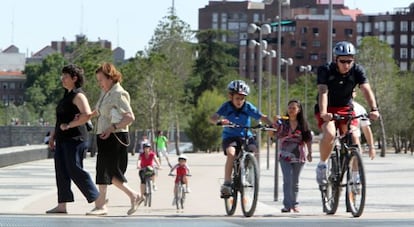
[374,109]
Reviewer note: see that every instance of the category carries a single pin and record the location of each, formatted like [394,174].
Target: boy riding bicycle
[239,111]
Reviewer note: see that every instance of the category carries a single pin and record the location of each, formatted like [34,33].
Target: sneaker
[321,174]
[187,190]
[97,211]
[225,189]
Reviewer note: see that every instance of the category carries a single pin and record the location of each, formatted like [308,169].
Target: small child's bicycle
[148,186]
[179,194]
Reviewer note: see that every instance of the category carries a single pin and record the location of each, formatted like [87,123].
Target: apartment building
[396,29]
[304,30]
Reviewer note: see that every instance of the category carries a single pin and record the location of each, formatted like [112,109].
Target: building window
[404,39]
[224,18]
[390,26]
[5,86]
[12,86]
[348,32]
[390,39]
[316,43]
[412,42]
[403,53]
[412,26]
[256,17]
[315,31]
[304,30]
[367,27]
[314,57]
[404,26]
[214,17]
[382,26]
[403,66]
[360,27]
[293,43]
[381,38]
[234,26]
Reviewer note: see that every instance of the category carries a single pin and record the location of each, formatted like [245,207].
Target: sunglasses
[346,61]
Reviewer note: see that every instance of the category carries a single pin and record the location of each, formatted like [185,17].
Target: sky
[33,24]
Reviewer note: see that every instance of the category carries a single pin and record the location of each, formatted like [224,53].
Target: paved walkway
[29,188]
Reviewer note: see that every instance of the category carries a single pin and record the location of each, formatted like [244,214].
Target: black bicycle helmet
[239,87]
[344,48]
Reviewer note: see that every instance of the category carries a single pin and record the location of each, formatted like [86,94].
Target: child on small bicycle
[146,166]
[238,111]
[182,171]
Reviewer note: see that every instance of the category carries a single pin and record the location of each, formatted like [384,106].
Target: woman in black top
[69,140]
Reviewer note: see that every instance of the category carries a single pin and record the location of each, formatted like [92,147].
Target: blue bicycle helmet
[344,48]
[239,87]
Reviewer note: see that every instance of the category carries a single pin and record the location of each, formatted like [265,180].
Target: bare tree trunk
[383,138]
[177,135]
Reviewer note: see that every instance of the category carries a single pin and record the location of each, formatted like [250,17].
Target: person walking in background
[114,114]
[144,141]
[68,140]
[364,125]
[295,141]
[161,143]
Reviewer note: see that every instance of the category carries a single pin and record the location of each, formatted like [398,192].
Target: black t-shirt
[65,113]
[340,86]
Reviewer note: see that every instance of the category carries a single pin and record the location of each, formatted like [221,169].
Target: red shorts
[340,111]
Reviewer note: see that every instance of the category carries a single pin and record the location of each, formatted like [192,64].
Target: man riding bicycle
[336,82]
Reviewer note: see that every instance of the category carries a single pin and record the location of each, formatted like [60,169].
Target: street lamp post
[270,54]
[287,62]
[264,29]
[306,69]
[279,51]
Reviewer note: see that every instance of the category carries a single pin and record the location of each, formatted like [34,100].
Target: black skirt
[112,158]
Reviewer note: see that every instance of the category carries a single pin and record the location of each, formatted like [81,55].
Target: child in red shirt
[145,165]
[182,171]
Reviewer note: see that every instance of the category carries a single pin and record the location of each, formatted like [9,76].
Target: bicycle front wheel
[148,192]
[331,191]
[230,202]
[356,184]
[250,185]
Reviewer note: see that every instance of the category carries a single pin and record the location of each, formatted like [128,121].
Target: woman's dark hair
[74,70]
[302,122]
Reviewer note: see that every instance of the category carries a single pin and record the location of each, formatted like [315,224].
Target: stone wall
[22,135]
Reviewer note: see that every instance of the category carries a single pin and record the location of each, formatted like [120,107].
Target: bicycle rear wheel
[250,185]
[356,184]
[178,197]
[148,192]
[331,191]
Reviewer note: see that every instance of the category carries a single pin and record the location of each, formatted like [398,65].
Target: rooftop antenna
[117,32]
[12,27]
[81,19]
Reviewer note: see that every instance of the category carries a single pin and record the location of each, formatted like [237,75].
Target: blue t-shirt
[238,116]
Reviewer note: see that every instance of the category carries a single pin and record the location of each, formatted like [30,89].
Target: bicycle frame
[345,159]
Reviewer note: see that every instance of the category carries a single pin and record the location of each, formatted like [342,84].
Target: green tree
[213,63]
[204,136]
[376,57]
[43,84]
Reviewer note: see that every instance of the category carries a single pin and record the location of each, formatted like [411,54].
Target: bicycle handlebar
[258,126]
[338,117]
